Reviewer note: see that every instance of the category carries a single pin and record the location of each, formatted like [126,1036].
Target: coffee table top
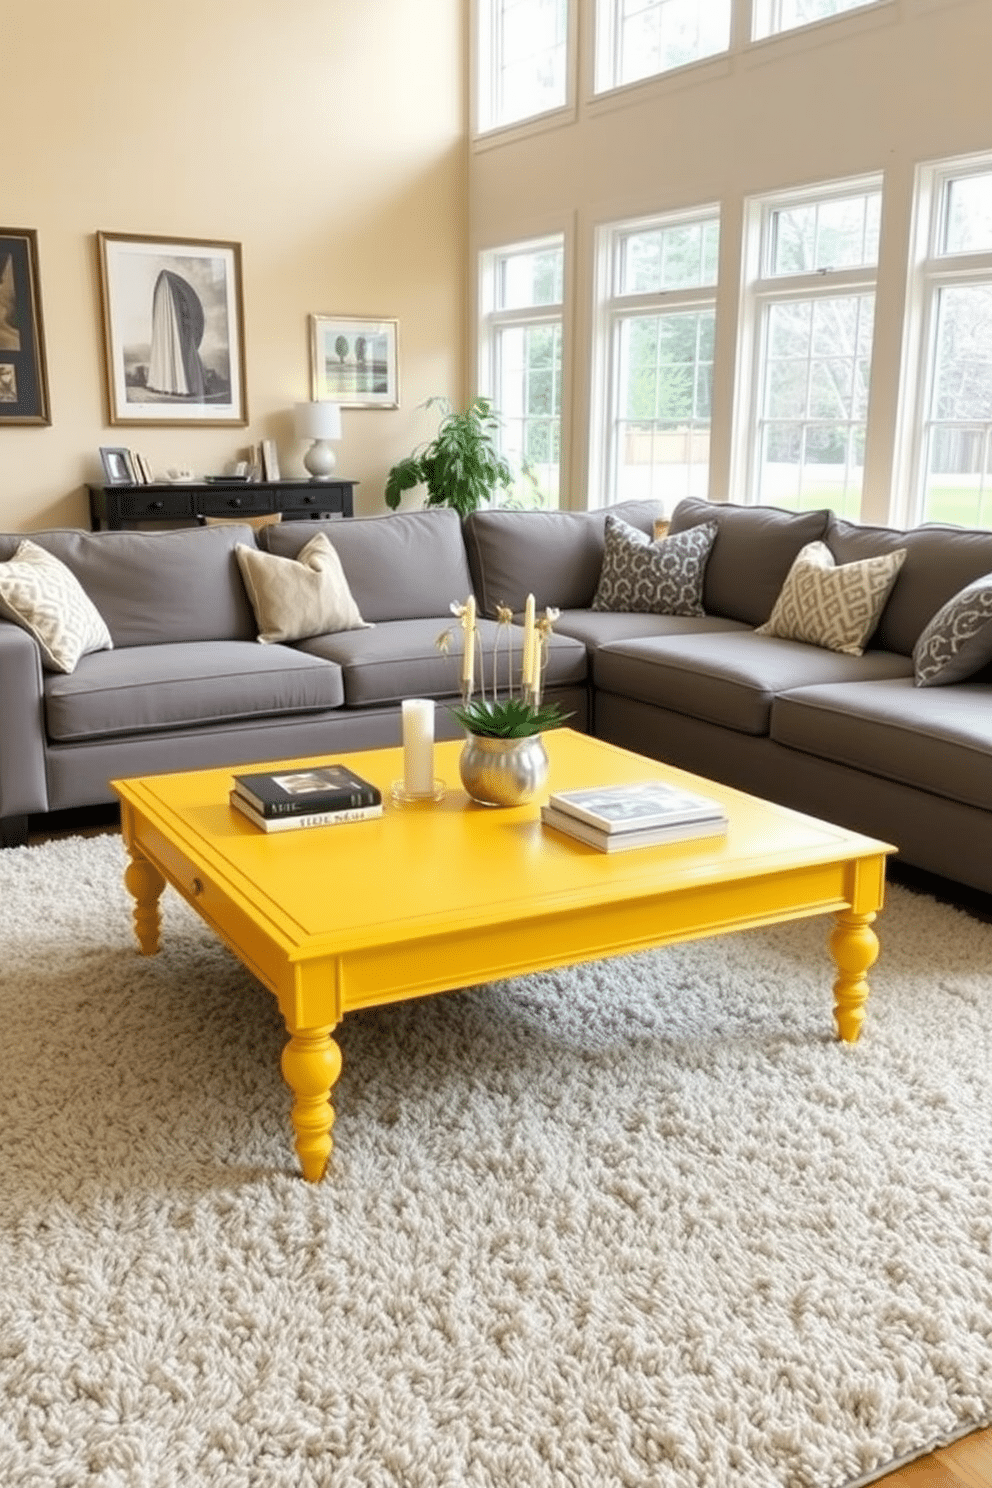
[440,868]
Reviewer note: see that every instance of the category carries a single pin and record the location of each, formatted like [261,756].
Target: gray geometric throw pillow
[653,578]
[958,640]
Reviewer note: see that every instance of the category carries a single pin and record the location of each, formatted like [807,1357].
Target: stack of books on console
[615,818]
[319,796]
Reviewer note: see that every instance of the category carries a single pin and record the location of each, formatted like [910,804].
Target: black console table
[114,507]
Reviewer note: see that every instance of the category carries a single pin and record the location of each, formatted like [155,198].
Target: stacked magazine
[615,818]
[318,796]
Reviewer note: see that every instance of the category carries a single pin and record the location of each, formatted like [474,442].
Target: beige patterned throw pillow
[40,594]
[298,597]
[834,607]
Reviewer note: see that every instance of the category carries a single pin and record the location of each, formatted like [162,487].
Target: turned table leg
[145,884]
[854,946]
[311,1062]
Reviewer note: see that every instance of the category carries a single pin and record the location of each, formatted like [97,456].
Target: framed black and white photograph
[173,325]
[354,361]
[118,466]
[23,376]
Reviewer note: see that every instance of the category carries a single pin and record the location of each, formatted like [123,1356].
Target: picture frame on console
[23,371]
[354,361]
[173,321]
[118,466]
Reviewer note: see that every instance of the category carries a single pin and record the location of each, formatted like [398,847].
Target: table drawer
[232,501]
[136,504]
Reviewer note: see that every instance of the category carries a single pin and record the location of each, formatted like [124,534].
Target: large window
[522,60]
[522,291]
[771,16]
[657,336]
[954,434]
[809,314]
[641,38]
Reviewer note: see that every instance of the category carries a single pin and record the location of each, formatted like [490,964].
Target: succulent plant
[509,718]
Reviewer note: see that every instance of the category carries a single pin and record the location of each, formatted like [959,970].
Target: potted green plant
[504,761]
[461,466]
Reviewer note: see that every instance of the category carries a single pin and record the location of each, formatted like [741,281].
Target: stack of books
[319,796]
[615,818]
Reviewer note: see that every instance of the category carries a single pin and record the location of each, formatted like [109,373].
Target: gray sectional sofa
[186,685]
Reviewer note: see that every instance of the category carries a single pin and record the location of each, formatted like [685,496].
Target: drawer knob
[196,887]
[234,501]
[157,505]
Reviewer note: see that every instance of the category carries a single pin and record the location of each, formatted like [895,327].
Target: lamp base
[320,460]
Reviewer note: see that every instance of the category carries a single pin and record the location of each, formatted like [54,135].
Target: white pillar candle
[527,672]
[468,659]
[418,746]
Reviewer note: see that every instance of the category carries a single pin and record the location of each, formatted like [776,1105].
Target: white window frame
[762,289]
[608,57]
[486,16]
[613,308]
[767,17]
[932,271]
[493,319]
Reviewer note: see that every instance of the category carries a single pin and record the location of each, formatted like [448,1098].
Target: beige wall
[326,136]
[877,91]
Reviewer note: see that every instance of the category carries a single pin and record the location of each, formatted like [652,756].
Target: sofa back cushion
[405,566]
[940,561]
[754,548]
[156,587]
[555,555]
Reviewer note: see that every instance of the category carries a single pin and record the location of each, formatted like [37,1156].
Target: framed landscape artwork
[173,324]
[354,361]
[23,377]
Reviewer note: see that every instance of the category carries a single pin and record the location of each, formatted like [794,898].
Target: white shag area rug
[638,1223]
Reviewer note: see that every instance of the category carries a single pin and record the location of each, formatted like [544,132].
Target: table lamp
[321,422]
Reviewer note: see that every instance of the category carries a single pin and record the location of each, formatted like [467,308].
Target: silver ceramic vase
[503,772]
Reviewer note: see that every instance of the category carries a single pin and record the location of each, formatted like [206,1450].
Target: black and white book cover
[309,789]
[641,805]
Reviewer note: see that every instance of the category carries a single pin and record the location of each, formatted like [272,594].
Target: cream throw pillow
[298,597]
[46,599]
[836,608]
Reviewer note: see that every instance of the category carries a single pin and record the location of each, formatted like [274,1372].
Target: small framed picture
[23,375]
[173,326]
[354,361]
[118,467]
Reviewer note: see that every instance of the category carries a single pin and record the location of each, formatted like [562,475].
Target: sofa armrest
[23,785]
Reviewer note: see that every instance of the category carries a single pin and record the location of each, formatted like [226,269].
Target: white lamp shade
[320,420]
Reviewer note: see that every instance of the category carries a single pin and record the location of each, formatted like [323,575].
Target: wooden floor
[966,1463]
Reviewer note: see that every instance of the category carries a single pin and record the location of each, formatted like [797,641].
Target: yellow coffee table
[434,897]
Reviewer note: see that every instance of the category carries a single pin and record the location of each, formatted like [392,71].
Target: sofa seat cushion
[936,739]
[402,566]
[600,627]
[729,678]
[401,658]
[147,688]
